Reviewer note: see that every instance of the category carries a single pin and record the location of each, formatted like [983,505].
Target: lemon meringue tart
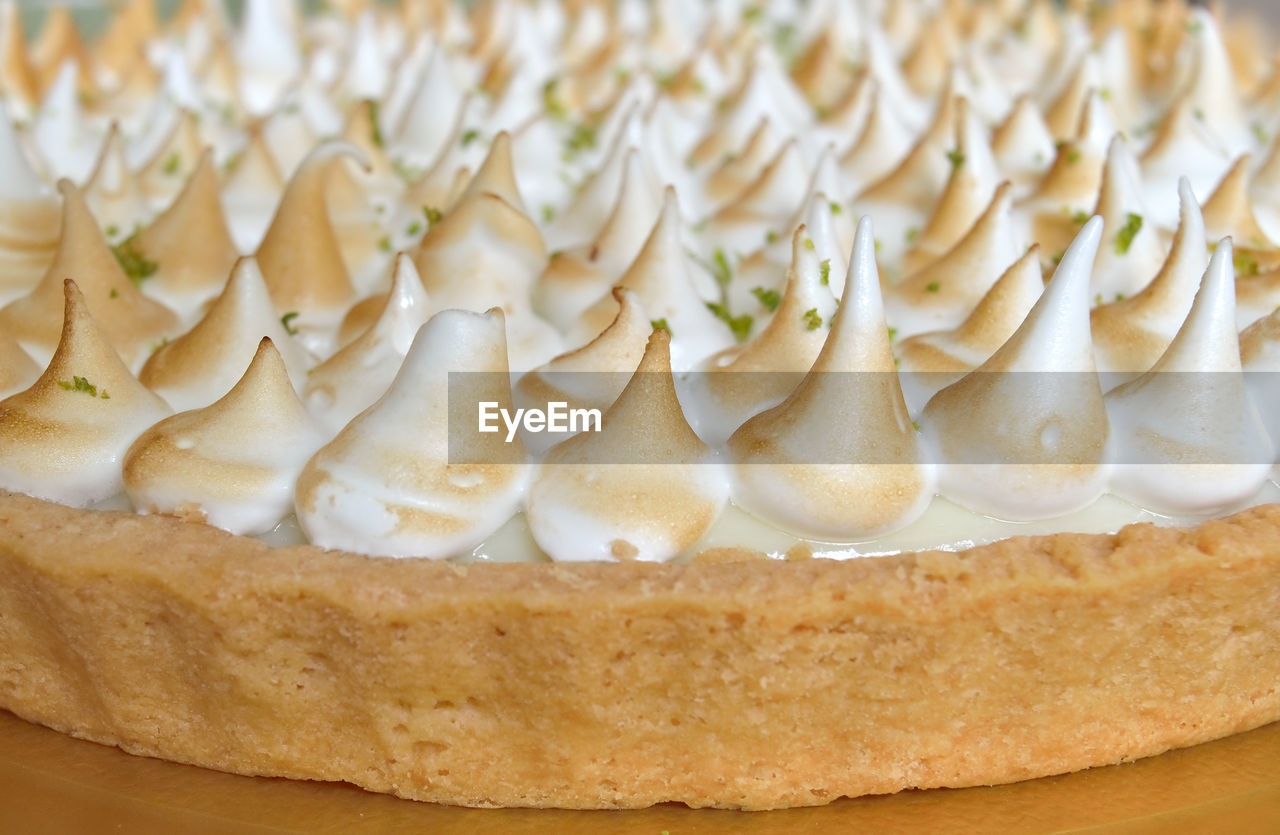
[594,405]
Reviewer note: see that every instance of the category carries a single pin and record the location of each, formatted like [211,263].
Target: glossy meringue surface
[828,279]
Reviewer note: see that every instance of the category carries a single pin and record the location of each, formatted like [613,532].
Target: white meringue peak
[738,383]
[233,463]
[1189,438]
[645,461]
[930,361]
[63,438]
[942,294]
[1131,333]
[190,243]
[1131,252]
[203,364]
[300,257]
[877,480]
[438,500]
[353,378]
[132,322]
[1024,436]
[575,278]
[660,278]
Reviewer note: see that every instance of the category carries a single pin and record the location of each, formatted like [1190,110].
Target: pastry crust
[748,684]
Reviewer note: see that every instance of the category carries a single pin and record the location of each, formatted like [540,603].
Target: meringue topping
[233,463]
[425,505]
[1188,435]
[353,378]
[64,437]
[131,321]
[1024,435]
[645,462]
[203,364]
[877,480]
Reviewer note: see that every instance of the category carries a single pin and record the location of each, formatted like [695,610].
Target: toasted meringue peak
[1260,359]
[268,52]
[920,177]
[233,463]
[486,252]
[744,380]
[64,437]
[770,198]
[1130,334]
[1192,439]
[1181,147]
[941,357]
[1063,116]
[299,256]
[1212,91]
[1131,251]
[29,217]
[973,181]
[125,38]
[660,278]
[17,369]
[174,161]
[204,363]
[942,294]
[131,321]
[1024,436]
[878,481]
[59,44]
[18,77]
[881,145]
[113,190]
[437,501]
[253,184]
[18,180]
[1229,212]
[497,176]
[667,505]
[353,378]
[575,279]
[190,242]
[67,144]
[592,376]
[739,170]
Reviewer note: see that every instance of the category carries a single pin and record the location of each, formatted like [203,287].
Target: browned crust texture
[753,685]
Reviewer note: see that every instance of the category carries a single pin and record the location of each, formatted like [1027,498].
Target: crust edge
[747,684]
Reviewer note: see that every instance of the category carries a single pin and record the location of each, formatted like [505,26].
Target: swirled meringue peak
[233,463]
[300,257]
[590,377]
[1190,438]
[1132,251]
[575,278]
[63,438]
[132,322]
[353,378]
[1024,436]
[930,361]
[1130,334]
[391,483]
[29,215]
[643,487]
[744,380]
[660,278]
[799,465]
[203,364]
[942,294]
[190,243]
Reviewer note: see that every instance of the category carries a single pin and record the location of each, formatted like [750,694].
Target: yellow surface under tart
[746,684]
